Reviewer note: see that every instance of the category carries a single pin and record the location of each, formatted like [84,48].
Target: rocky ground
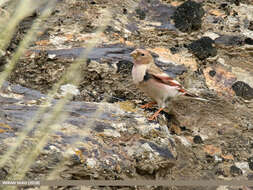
[206,45]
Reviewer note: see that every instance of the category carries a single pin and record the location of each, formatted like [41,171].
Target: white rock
[184,141]
[69,88]
[217,158]
[211,35]
[120,126]
[147,147]
[221,61]
[110,132]
[222,188]
[244,166]
[51,56]
[145,129]
[91,163]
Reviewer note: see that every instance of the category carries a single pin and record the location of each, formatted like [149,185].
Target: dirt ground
[214,138]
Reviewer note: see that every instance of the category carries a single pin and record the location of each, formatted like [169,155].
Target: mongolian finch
[154,82]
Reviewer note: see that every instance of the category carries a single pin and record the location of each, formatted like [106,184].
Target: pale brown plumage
[153,81]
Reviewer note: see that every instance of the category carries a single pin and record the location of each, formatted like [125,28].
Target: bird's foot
[148,105]
[155,115]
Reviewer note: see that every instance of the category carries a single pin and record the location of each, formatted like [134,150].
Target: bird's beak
[134,54]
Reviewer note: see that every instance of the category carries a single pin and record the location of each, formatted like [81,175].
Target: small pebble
[243,90]
[248,41]
[141,14]
[230,40]
[124,11]
[250,161]
[212,73]
[197,139]
[235,171]
[250,25]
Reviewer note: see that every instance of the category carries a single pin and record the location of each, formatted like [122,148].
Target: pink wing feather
[164,78]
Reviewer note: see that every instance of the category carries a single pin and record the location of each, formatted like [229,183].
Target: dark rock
[3,61]
[197,139]
[188,16]
[203,48]
[124,11]
[210,159]
[221,132]
[93,2]
[229,40]
[163,151]
[251,165]
[141,13]
[248,41]
[250,161]
[183,128]
[235,171]
[223,5]
[243,90]
[250,25]
[174,50]
[236,2]
[226,8]
[172,69]
[212,73]
[3,173]
[124,66]
[219,171]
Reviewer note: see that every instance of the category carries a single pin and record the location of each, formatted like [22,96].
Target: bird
[154,82]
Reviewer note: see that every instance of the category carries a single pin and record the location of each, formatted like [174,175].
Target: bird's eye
[142,54]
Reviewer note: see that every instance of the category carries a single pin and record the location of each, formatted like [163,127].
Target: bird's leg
[155,114]
[148,105]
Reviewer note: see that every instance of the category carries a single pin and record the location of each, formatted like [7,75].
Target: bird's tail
[194,96]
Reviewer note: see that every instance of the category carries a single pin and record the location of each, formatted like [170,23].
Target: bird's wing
[162,77]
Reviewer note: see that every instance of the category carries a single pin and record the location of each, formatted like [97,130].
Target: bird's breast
[138,73]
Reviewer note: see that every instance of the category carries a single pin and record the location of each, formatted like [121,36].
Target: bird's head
[141,56]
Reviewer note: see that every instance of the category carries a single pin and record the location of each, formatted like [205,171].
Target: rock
[105,137]
[212,73]
[229,40]
[243,90]
[220,79]
[244,166]
[91,163]
[203,48]
[69,89]
[157,14]
[197,139]
[141,13]
[121,143]
[250,176]
[250,25]
[124,66]
[188,16]
[248,41]
[250,162]
[124,10]
[236,2]
[235,171]
[174,63]
[211,35]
